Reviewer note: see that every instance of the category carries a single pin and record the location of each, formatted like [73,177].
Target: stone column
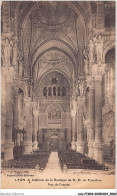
[73,144]
[35,143]
[91,116]
[18,139]
[73,117]
[105,86]
[98,71]
[3,108]
[21,138]
[9,115]
[16,112]
[80,131]
[28,135]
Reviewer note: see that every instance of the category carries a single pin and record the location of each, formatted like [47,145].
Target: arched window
[49,91]
[54,91]
[109,78]
[63,91]
[45,91]
[59,91]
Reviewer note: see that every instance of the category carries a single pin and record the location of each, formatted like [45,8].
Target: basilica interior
[58,78]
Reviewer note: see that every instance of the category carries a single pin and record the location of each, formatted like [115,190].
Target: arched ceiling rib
[48,40]
[60,44]
[61,36]
[54,48]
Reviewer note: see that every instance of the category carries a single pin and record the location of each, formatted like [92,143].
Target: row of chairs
[28,161]
[74,160]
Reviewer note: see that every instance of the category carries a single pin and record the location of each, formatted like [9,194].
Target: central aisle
[53,165]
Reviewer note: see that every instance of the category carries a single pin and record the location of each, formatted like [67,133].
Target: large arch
[60,36]
[108,46]
[55,48]
[80,9]
[52,43]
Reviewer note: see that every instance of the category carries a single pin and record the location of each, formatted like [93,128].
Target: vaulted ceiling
[52,35]
[52,26]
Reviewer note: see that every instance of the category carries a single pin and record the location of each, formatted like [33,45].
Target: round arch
[108,47]
[79,11]
[56,105]
[60,36]
[56,70]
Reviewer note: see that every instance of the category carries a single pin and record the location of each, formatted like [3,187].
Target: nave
[54,162]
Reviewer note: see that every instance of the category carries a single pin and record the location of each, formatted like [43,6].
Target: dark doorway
[54,143]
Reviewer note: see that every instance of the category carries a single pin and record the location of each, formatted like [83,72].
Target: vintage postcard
[58,95]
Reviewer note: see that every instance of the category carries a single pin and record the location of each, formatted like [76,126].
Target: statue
[86,62]
[20,61]
[99,48]
[91,51]
[76,91]
[81,88]
[15,54]
[73,106]
[6,51]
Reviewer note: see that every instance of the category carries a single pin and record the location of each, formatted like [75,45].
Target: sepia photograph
[58,95]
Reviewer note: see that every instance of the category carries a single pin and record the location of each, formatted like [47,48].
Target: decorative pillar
[28,135]
[16,112]
[73,133]
[111,83]
[3,108]
[98,71]
[35,143]
[108,84]
[18,138]
[21,138]
[9,114]
[80,130]
[91,116]
[73,116]
[105,87]
[15,54]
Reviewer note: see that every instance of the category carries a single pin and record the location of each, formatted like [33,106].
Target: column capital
[16,91]
[81,100]
[98,70]
[73,113]
[10,73]
[27,101]
[35,113]
[90,82]
[107,67]
[86,123]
